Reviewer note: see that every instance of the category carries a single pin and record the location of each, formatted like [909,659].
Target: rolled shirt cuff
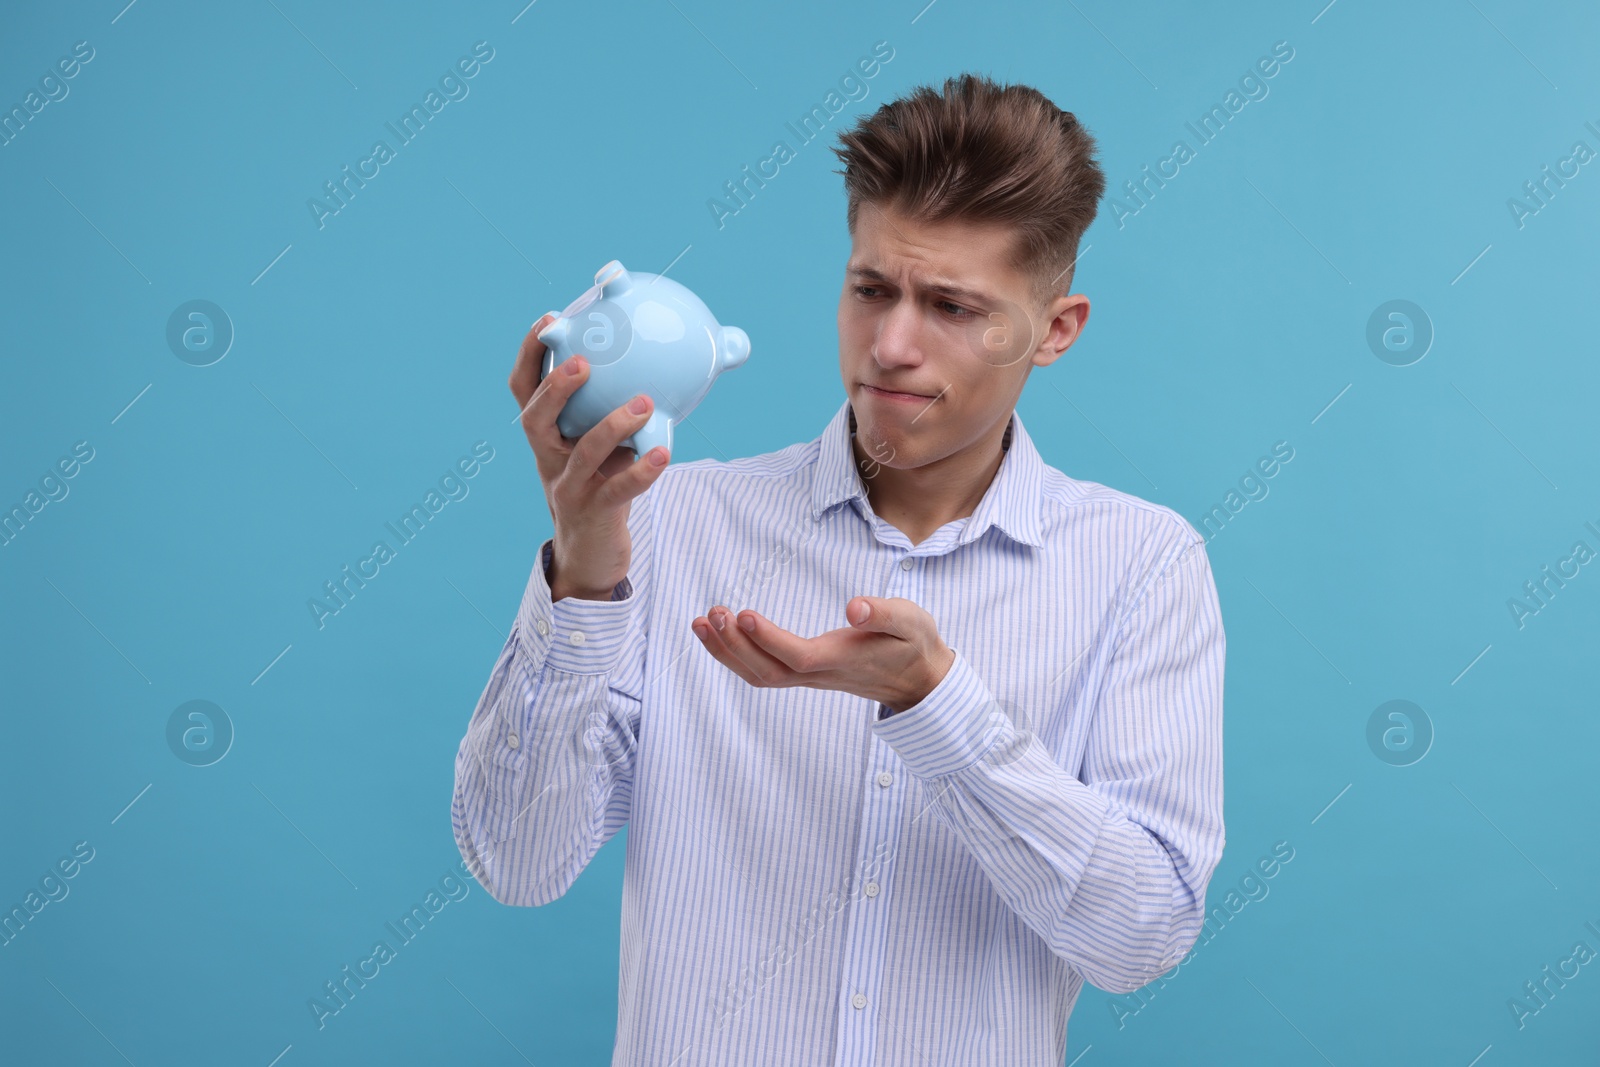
[575,635]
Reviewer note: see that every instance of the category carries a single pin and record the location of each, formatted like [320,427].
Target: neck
[919,500]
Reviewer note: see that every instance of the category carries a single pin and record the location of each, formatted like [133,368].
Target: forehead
[953,257]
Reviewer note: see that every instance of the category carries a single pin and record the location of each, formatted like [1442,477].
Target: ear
[1066,316]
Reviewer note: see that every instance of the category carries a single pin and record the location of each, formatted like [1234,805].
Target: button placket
[866,937]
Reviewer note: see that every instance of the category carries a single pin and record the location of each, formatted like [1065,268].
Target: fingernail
[747,623]
[717,620]
[637,405]
[658,457]
[574,365]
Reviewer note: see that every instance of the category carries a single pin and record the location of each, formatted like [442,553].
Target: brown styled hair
[983,153]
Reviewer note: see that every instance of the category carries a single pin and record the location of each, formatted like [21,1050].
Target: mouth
[891,395]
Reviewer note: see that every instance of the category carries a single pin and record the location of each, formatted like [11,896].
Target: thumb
[872,613]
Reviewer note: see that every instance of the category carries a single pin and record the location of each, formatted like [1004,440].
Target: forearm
[543,775]
[542,780]
[1091,879]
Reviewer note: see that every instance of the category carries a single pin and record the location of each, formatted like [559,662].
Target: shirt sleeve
[1110,868]
[544,774]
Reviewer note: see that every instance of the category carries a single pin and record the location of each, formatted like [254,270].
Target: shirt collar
[1013,502]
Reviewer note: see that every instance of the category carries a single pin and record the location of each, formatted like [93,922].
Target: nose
[898,343]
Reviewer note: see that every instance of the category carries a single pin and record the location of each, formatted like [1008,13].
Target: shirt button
[576,637]
[885,779]
[859,1000]
[906,564]
[512,741]
[542,626]
[873,889]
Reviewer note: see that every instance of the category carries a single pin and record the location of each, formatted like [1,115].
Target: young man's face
[963,357]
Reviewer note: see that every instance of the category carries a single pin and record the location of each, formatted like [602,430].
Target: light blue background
[1227,315]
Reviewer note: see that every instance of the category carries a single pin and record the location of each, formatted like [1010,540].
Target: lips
[897,393]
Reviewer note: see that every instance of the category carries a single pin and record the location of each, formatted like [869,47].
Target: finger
[888,615]
[707,634]
[541,404]
[530,358]
[633,479]
[897,617]
[538,418]
[595,446]
[768,670]
[793,651]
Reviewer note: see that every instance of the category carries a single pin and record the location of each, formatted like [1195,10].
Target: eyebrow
[942,286]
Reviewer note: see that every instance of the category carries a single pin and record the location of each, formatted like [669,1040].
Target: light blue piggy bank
[641,333]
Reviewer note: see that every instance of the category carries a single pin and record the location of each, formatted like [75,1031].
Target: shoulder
[1129,519]
[1140,539]
[699,483]
[779,463]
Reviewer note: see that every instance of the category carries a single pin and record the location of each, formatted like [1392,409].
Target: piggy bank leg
[658,431]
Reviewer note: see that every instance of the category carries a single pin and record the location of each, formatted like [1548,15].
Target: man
[996,769]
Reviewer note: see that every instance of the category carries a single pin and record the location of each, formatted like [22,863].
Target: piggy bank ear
[552,337]
[555,333]
[735,347]
[612,280]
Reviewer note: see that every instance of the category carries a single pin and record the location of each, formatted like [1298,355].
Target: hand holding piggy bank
[640,333]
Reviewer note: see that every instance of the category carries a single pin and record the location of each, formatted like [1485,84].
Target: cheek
[846,327]
[851,320]
[856,337]
[974,385]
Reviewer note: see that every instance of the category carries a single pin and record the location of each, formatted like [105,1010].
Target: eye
[960,314]
[865,290]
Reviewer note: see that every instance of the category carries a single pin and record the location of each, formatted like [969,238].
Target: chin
[893,446]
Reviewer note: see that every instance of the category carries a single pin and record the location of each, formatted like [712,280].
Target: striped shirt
[810,881]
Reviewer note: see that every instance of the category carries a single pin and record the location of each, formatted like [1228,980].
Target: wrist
[561,592]
[561,589]
[936,668]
